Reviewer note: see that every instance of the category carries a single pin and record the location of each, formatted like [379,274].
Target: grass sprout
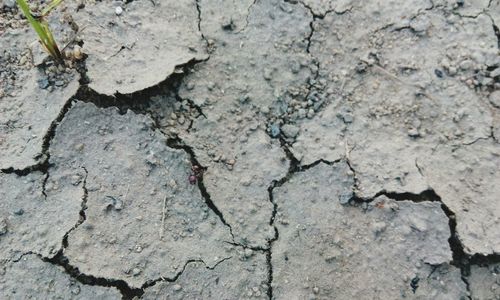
[41,27]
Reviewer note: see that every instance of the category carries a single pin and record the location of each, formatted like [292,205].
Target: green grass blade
[51,6]
[42,29]
[51,42]
[34,23]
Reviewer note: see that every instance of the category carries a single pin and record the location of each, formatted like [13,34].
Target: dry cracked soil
[252,149]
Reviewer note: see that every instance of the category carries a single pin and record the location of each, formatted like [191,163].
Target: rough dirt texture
[32,98]
[34,220]
[216,149]
[198,281]
[46,281]
[485,282]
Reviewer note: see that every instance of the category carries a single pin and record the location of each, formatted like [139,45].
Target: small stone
[114,203]
[19,212]
[452,71]
[77,52]
[75,290]
[248,252]
[344,199]
[177,287]
[267,74]
[43,83]
[348,118]
[378,227]
[136,271]
[310,113]
[495,73]
[3,227]
[118,10]
[466,64]
[413,133]
[228,25]
[9,3]
[290,131]
[23,60]
[274,130]
[495,98]
[76,179]
[302,113]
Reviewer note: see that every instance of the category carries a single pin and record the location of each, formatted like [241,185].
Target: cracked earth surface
[268,149]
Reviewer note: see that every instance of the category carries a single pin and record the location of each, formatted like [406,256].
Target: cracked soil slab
[484,282]
[145,42]
[328,250]
[131,171]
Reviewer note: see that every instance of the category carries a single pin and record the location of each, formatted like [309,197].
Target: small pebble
[136,271]
[9,3]
[3,227]
[77,52]
[413,133]
[43,83]
[290,131]
[275,130]
[118,10]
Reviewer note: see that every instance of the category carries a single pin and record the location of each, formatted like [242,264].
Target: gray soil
[264,149]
